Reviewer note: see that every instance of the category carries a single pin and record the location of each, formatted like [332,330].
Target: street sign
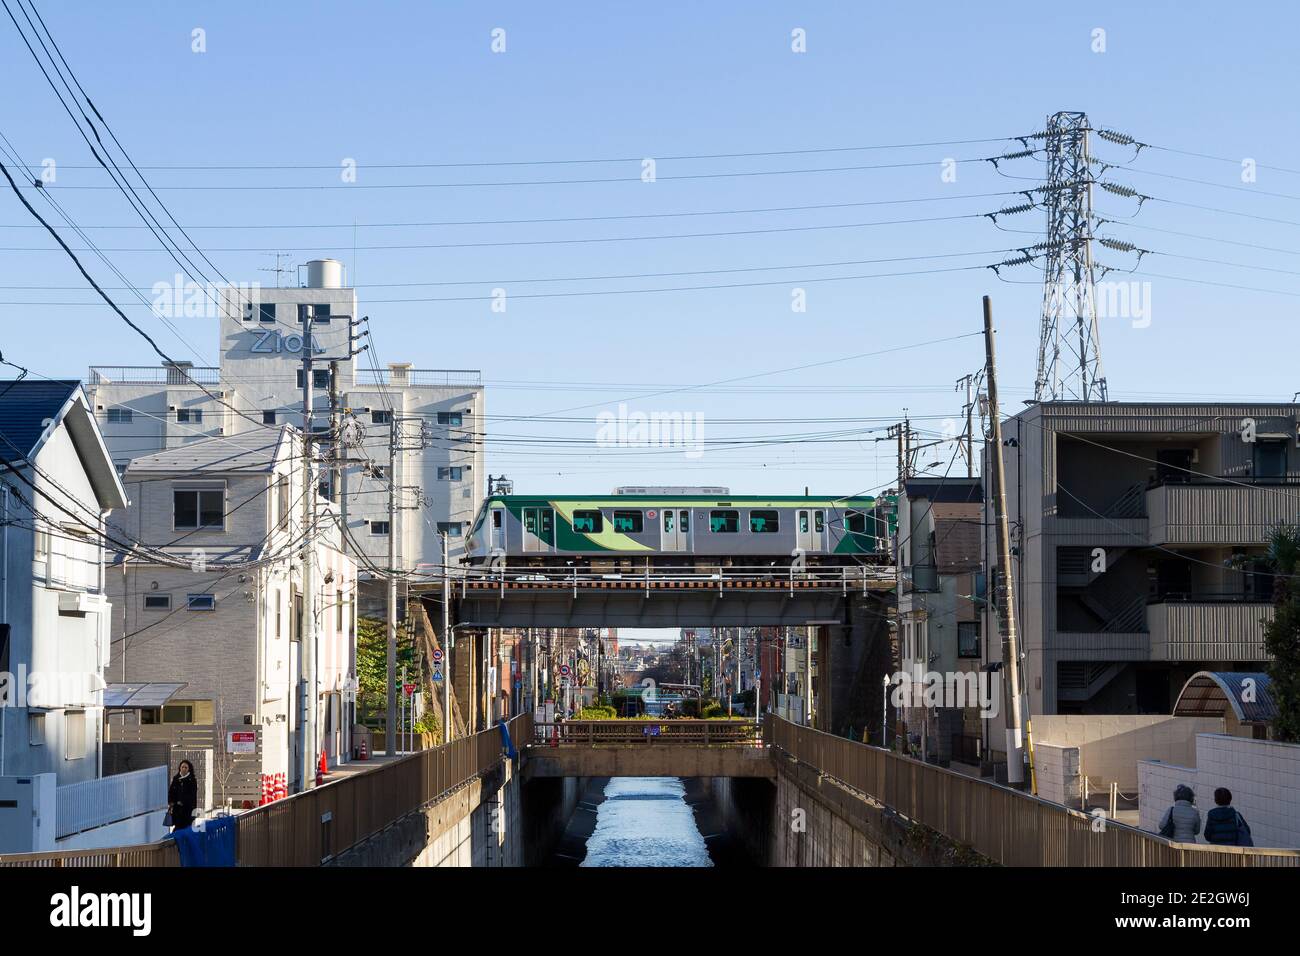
[437,655]
[241,742]
[408,689]
[437,675]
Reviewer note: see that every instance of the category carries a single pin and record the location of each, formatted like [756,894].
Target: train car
[617,531]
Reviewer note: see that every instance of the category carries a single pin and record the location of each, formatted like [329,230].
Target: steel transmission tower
[1069,351]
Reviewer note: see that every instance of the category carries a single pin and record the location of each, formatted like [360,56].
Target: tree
[1282,633]
[372,662]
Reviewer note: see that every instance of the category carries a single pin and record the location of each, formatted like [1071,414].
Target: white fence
[96,803]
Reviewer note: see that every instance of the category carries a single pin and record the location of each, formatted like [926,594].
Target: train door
[675,526]
[810,524]
[498,538]
[539,529]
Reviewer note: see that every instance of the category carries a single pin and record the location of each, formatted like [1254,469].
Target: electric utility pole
[307,646]
[390,719]
[447,640]
[1005,590]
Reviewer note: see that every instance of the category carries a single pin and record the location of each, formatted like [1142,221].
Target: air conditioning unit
[79,602]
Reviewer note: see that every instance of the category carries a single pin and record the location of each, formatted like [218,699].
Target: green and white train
[735,530]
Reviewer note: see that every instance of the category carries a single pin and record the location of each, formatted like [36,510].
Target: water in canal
[645,821]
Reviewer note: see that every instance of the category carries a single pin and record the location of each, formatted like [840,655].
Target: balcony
[1216,511]
[1208,627]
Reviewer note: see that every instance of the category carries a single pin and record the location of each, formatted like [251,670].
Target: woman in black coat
[183,796]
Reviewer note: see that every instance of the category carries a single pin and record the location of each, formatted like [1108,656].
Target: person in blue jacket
[1224,825]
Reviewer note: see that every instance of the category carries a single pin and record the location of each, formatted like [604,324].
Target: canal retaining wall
[480,824]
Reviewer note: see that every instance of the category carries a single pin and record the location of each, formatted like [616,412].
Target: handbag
[1167,830]
[167,819]
[1243,832]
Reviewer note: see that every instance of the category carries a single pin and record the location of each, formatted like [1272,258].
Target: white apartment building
[220,616]
[438,470]
[57,488]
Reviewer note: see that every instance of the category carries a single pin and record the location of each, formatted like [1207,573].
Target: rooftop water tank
[324,274]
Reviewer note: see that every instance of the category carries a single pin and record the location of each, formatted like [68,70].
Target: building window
[266,312]
[449,418]
[628,522]
[379,527]
[338,612]
[201,602]
[1269,461]
[452,473]
[189,415]
[194,508]
[381,417]
[282,501]
[320,314]
[724,522]
[320,378]
[75,728]
[589,522]
[761,522]
[268,417]
[157,602]
[177,713]
[36,729]
[119,415]
[451,529]
[968,638]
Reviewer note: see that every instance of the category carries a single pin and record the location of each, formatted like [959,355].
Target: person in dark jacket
[183,796]
[1224,825]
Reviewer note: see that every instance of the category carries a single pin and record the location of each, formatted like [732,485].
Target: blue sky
[401,83]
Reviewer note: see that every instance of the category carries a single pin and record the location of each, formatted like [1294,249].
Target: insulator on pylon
[1110,136]
[1128,192]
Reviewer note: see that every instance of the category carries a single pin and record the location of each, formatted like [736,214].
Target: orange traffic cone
[322,770]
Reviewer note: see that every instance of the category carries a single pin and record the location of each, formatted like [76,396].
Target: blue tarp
[506,744]
[208,843]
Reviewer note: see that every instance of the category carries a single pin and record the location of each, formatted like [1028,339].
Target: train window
[627,522]
[803,522]
[724,522]
[588,522]
[686,520]
[819,521]
[668,520]
[764,521]
[496,517]
[856,522]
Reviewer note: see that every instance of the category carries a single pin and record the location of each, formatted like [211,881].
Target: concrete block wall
[1057,770]
[1263,775]
[1110,746]
[1156,783]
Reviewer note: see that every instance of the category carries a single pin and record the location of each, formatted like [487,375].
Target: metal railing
[505,576]
[450,377]
[96,803]
[309,828]
[1007,826]
[649,732]
[154,375]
